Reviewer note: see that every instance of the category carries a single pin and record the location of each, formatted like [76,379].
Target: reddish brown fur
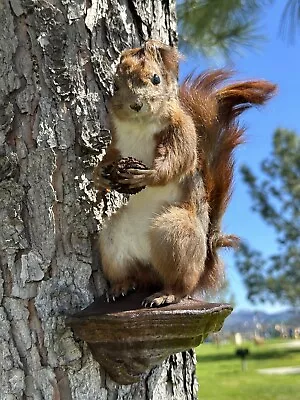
[196,146]
[169,55]
[178,243]
[135,70]
[214,111]
[176,149]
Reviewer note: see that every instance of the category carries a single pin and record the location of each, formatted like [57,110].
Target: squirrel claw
[135,181]
[136,177]
[107,297]
[120,290]
[133,171]
[160,299]
[110,297]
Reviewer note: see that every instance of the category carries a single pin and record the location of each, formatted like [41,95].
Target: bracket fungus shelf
[128,340]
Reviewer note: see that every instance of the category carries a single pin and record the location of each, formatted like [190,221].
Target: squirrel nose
[136,106]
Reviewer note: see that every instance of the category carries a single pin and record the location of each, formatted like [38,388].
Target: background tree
[276,197]
[290,20]
[218,26]
[56,60]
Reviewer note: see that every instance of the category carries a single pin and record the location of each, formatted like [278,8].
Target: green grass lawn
[221,378]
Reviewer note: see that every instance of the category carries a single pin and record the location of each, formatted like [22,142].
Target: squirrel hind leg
[178,253]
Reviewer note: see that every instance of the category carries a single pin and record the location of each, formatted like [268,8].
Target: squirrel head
[145,81]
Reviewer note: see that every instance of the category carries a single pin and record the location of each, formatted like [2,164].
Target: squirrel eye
[155,79]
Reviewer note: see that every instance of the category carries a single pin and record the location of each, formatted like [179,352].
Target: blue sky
[277,60]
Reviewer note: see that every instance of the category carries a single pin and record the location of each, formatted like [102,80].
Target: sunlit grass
[221,378]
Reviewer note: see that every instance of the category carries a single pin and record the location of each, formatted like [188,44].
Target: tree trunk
[56,59]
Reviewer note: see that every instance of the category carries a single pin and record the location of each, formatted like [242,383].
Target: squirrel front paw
[124,175]
[135,178]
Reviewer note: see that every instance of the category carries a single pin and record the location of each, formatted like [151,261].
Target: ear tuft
[168,55]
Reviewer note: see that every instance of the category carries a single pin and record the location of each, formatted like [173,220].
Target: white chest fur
[125,237]
[136,139]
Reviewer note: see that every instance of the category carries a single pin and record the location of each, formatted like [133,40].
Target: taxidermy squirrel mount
[173,147]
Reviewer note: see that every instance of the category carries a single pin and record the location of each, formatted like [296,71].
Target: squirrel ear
[168,55]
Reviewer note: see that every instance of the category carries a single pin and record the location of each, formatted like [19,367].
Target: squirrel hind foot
[120,289]
[161,299]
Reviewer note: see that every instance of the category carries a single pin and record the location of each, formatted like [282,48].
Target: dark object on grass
[128,339]
[112,171]
[243,353]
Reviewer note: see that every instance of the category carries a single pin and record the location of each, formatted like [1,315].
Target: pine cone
[113,170]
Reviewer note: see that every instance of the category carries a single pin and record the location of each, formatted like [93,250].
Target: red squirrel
[167,236]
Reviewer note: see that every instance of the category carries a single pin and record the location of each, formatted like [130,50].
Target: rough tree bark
[56,60]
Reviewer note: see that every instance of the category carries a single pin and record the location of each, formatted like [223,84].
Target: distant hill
[246,320]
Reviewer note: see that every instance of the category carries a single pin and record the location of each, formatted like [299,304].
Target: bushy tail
[214,110]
